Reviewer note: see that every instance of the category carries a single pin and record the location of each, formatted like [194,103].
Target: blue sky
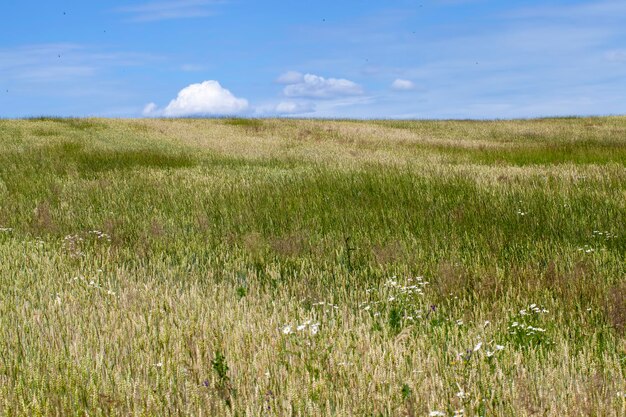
[349,58]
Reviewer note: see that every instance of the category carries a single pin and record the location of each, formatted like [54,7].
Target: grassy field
[312,268]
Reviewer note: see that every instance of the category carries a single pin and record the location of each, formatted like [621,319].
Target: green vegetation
[299,267]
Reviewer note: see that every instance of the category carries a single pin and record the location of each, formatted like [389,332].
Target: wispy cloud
[606,9]
[290,107]
[62,61]
[314,86]
[402,85]
[18,60]
[171,9]
[617,55]
[285,109]
[361,106]
[290,77]
[193,68]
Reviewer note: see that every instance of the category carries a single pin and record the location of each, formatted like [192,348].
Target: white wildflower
[392,283]
[287,329]
[437,414]
[478,346]
[301,327]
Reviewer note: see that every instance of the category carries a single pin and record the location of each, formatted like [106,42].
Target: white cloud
[402,85]
[285,108]
[205,99]
[314,86]
[290,77]
[150,109]
[290,107]
[169,9]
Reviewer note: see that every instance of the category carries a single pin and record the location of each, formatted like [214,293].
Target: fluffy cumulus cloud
[314,86]
[402,85]
[205,99]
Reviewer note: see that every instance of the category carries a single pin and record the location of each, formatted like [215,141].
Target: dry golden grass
[306,267]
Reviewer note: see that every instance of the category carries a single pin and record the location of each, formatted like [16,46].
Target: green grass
[583,152]
[301,267]
[246,124]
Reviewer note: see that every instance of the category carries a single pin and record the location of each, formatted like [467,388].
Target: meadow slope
[239,267]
